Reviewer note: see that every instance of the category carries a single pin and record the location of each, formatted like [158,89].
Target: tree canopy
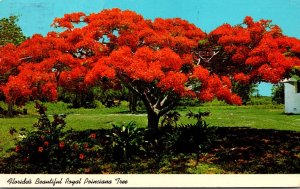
[159,60]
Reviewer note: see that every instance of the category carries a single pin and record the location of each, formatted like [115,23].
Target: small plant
[204,134]
[190,138]
[170,119]
[126,141]
[199,117]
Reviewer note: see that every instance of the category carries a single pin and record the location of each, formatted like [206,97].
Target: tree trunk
[132,102]
[153,120]
[245,93]
[10,112]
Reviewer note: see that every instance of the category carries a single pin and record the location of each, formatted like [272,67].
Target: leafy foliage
[192,138]
[10,32]
[78,100]
[110,97]
[170,119]
[127,142]
[245,91]
[278,94]
[199,117]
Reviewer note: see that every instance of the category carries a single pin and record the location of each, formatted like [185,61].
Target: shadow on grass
[231,150]
[246,150]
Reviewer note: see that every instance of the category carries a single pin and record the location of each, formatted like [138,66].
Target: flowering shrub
[47,148]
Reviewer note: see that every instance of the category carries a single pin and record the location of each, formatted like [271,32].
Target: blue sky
[36,16]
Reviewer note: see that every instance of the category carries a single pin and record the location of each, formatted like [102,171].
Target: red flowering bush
[48,148]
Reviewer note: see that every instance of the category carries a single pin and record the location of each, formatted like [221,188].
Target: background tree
[278,93]
[133,102]
[245,91]
[10,32]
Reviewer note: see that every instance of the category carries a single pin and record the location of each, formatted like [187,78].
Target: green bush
[190,102]
[190,138]
[78,100]
[260,100]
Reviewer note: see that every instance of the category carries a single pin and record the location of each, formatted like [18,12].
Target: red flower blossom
[17,149]
[40,149]
[62,144]
[242,78]
[81,156]
[248,20]
[85,145]
[26,159]
[87,170]
[46,143]
[93,135]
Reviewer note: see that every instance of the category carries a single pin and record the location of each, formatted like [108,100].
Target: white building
[292,96]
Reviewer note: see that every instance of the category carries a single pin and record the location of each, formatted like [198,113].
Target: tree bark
[132,102]
[245,93]
[153,120]
[10,112]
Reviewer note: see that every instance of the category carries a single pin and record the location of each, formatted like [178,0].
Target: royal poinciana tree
[160,61]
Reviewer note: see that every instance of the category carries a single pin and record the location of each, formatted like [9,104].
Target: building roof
[290,80]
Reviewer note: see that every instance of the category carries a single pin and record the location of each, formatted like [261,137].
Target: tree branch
[168,108]
[163,101]
[25,58]
[215,53]
[132,88]
[207,60]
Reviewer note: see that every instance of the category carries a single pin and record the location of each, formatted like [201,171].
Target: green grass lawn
[238,136]
[257,115]
[254,116]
